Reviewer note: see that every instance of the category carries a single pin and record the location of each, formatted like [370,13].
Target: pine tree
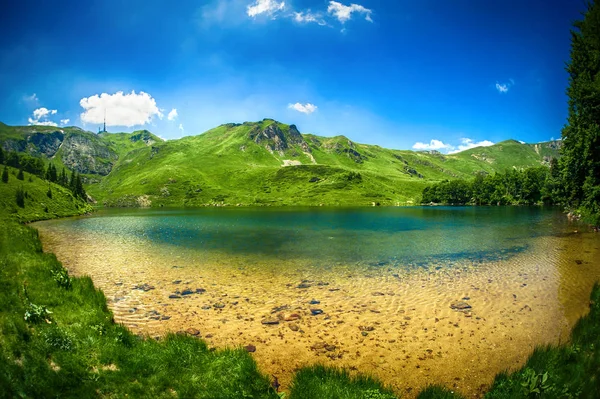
[20,197]
[63,181]
[49,192]
[20,175]
[1,155]
[5,174]
[51,174]
[580,161]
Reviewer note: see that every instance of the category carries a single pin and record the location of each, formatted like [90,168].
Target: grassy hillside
[256,163]
[43,200]
[229,165]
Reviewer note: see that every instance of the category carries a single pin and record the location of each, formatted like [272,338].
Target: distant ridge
[256,163]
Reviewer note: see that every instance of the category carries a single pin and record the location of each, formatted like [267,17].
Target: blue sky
[393,73]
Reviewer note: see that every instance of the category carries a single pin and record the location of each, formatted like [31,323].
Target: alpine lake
[410,295]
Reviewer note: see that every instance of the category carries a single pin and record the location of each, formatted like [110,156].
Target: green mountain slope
[257,163]
[43,200]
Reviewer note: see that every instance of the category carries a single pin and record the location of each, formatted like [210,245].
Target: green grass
[318,382]
[225,165]
[38,205]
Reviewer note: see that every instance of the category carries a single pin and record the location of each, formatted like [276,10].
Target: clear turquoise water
[412,236]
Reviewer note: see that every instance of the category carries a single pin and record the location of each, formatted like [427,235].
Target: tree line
[35,166]
[513,187]
[573,180]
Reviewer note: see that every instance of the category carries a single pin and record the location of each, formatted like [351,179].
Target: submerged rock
[314,302]
[315,312]
[460,305]
[291,317]
[144,287]
[250,348]
[174,296]
[270,321]
[192,331]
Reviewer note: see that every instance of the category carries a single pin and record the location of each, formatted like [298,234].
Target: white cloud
[42,113]
[120,109]
[32,100]
[181,127]
[308,16]
[172,115]
[439,145]
[432,145]
[268,7]
[344,13]
[469,143]
[504,87]
[41,123]
[64,121]
[307,108]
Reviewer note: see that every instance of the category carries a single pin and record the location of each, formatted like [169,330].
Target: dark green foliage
[76,186]
[20,197]
[63,180]
[20,175]
[527,187]
[30,164]
[318,382]
[1,155]
[580,161]
[49,193]
[5,175]
[12,159]
[51,174]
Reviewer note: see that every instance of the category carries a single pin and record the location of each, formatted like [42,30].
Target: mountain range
[256,163]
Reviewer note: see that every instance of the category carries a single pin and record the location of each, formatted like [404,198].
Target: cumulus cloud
[432,145]
[344,13]
[307,108]
[504,87]
[120,109]
[172,115]
[467,144]
[308,16]
[40,117]
[268,7]
[64,121]
[438,145]
[181,127]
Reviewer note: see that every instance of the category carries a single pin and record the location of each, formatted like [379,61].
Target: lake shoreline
[165,287]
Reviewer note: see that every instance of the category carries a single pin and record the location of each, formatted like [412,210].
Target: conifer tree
[20,175]
[5,174]
[580,161]
[20,197]
[1,155]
